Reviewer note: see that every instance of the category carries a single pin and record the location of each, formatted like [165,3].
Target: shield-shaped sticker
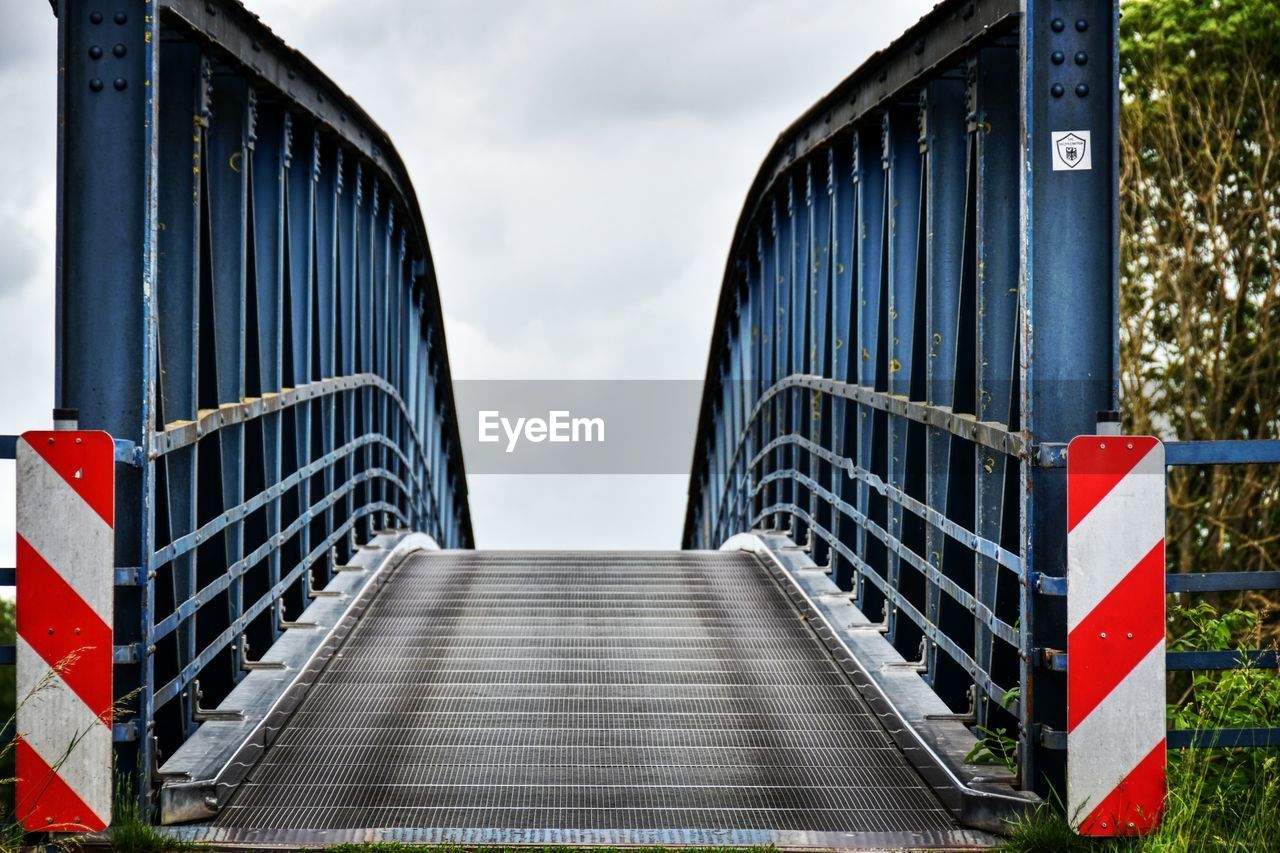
[1071,150]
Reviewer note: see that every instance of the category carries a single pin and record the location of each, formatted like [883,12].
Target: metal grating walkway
[584,691]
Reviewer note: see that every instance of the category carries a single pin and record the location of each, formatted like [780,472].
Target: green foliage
[1044,831]
[994,746]
[1228,799]
[1219,799]
[8,700]
[132,831]
[1200,301]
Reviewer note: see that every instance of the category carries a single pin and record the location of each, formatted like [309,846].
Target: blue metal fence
[917,313]
[247,302]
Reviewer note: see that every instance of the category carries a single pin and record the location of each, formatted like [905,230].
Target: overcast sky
[580,163]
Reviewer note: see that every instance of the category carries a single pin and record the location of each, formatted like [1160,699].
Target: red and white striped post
[66,582]
[1116,634]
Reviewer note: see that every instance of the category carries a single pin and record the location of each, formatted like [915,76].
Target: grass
[132,832]
[1219,799]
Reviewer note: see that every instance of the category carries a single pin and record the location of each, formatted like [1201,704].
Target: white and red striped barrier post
[1116,634]
[66,577]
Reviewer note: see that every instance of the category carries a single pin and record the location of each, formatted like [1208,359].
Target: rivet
[95,85]
[1103,635]
[1102,447]
[1130,445]
[1058,25]
[119,50]
[51,441]
[1104,824]
[1082,90]
[120,83]
[1058,57]
[1131,824]
[1081,57]
[1130,635]
[79,441]
[95,17]
[1056,90]
[48,820]
[121,18]
[95,52]
[77,630]
[1082,25]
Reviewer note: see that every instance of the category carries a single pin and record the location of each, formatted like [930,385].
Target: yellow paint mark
[894,365]
[233,161]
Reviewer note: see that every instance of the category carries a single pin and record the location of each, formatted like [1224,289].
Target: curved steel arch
[247,302]
[916,300]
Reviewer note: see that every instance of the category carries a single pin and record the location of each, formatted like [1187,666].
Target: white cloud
[581,165]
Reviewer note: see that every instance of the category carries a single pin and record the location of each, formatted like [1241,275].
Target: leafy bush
[1219,799]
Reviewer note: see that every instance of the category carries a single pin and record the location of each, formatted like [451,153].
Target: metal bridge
[918,313]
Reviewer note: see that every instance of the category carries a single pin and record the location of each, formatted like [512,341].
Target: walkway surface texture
[585,690]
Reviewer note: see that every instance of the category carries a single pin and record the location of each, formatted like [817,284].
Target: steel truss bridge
[918,313]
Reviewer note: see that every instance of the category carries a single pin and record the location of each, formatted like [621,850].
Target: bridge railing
[246,301]
[918,297]
[1222,582]
[919,311]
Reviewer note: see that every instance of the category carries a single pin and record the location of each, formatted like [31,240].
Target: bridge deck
[632,691]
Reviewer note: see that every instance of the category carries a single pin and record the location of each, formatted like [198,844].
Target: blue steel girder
[252,244]
[946,309]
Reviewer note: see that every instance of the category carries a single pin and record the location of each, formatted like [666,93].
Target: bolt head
[95,17]
[95,52]
[120,83]
[120,18]
[95,85]
[1058,25]
[1082,25]
[119,50]
[1056,90]
[1081,57]
[1058,57]
[1082,90]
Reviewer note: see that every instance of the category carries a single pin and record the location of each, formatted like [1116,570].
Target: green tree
[1200,260]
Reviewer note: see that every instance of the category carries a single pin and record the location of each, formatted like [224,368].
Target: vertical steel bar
[227,170]
[871,189]
[902,170]
[946,168]
[996,141]
[1068,331]
[842,186]
[177,316]
[270,160]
